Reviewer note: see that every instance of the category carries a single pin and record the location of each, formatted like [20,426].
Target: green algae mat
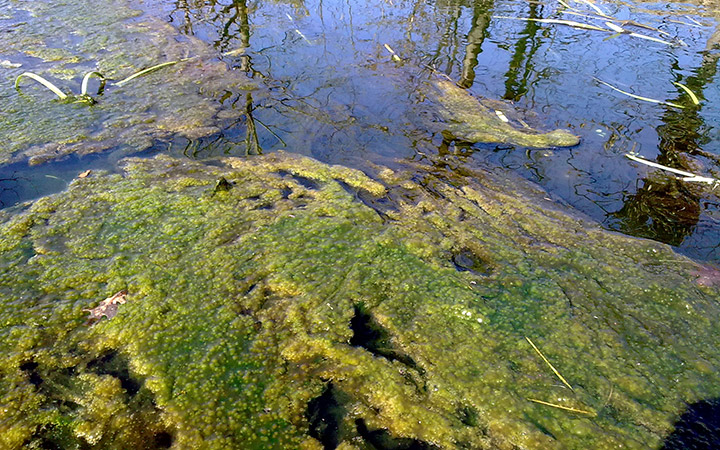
[277,302]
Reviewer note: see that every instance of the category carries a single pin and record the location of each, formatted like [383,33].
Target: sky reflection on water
[331,88]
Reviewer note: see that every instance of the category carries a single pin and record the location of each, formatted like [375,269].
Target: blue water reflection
[343,82]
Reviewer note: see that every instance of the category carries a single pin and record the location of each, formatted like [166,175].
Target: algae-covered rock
[469,120]
[309,306]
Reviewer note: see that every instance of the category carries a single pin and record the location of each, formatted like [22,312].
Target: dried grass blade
[42,81]
[595,7]
[645,99]
[549,364]
[647,27]
[395,56]
[692,95]
[616,28]
[86,80]
[613,36]
[650,38]
[571,23]
[236,52]
[146,71]
[689,176]
[566,408]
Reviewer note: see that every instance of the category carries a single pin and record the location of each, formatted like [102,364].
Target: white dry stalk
[688,176]
[645,99]
[571,23]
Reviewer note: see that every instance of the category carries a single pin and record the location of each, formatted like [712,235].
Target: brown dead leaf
[85,174]
[107,307]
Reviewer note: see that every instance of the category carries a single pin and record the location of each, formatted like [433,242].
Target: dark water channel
[326,83]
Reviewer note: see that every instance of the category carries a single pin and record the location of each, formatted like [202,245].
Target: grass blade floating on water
[645,99]
[616,28]
[86,79]
[595,7]
[42,81]
[692,95]
[650,38]
[395,57]
[689,176]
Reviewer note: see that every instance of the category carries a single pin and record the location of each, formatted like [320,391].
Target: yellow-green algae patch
[309,306]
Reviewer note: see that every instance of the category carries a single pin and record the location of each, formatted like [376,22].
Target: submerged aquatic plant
[150,70]
[83,97]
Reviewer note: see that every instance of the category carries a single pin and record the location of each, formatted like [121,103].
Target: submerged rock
[310,306]
[469,120]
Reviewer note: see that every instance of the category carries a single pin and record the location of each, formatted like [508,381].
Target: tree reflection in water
[665,208]
[319,90]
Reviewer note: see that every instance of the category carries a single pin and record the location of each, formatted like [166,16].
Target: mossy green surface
[301,298]
[469,120]
[62,40]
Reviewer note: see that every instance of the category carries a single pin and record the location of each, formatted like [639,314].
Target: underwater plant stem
[149,70]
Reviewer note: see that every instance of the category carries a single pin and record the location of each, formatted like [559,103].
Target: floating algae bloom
[310,306]
[471,121]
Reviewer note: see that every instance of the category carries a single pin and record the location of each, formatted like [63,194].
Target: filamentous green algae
[300,305]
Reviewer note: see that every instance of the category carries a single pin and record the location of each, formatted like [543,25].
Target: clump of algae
[469,120]
[310,306]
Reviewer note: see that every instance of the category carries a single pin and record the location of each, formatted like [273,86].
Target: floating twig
[297,30]
[549,364]
[566,408]
[645,99]
[688,176]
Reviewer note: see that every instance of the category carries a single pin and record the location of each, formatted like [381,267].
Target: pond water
[342,81]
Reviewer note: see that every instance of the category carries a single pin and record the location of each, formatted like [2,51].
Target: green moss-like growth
[471,121]
[303,305]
